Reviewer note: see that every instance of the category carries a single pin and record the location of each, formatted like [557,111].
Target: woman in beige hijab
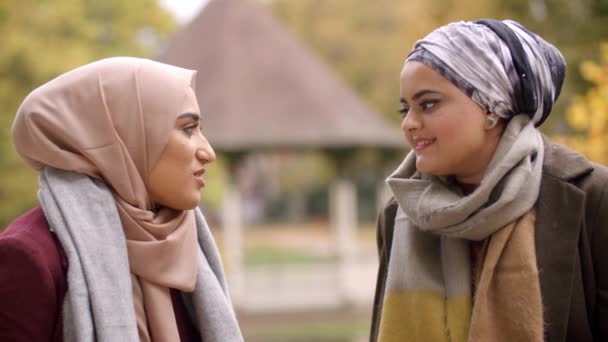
[118,250]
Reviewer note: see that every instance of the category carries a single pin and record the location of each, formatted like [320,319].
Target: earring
[490,121]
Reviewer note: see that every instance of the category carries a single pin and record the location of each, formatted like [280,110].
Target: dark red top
[33,271]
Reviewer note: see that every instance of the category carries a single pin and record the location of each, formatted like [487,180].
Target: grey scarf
[508,189]
[434,221]
[98,304]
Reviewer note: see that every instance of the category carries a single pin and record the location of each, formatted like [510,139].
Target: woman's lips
[422,144]
[198,177]
[200,181]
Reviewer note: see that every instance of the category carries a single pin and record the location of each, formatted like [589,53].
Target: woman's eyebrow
[192,116]
[423,92]
[418,95]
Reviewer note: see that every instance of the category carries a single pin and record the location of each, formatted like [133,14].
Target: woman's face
[177,177]
[447,130]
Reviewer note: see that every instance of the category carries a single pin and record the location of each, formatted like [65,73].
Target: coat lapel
[560,210]
[559,218]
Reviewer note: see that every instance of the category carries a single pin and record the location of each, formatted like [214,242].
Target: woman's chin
[184,204]
[423,166]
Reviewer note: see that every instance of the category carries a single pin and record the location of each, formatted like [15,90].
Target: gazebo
[259,89]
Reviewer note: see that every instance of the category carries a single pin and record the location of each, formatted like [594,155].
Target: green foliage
[320,330]
[264,256]
[42,39]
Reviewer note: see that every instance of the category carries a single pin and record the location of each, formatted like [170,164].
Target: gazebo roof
[259,88]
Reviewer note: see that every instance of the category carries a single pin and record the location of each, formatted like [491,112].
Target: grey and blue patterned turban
[500,65]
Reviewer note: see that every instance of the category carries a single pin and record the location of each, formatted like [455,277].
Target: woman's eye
[426,105]
[190,129]
[404,111]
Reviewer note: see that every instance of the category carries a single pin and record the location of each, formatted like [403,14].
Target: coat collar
[560,210]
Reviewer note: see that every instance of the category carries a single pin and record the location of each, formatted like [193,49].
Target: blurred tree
[43,38]
[588,114]
[367,41]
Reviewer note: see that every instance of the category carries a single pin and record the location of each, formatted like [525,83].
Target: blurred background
[300,101]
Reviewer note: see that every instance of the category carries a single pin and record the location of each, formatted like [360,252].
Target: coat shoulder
[32,280]
[31,233]
[563,162]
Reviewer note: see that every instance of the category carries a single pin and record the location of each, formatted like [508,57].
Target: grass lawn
[322,328]
[260,255]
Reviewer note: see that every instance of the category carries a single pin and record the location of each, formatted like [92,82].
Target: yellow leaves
[588,114]
[577,115]
[597,73]
[598,112]
[595,148]
[604,53]
[591,71]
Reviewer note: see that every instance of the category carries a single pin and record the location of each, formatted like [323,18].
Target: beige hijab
[111,120]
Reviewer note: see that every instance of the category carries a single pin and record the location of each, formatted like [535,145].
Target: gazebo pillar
[343,215]
[232,222]
[343,220]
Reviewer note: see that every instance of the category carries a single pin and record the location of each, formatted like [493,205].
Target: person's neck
[467,188]
[477,167]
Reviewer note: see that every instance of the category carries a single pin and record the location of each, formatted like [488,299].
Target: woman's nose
[410,123]
[205,152]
